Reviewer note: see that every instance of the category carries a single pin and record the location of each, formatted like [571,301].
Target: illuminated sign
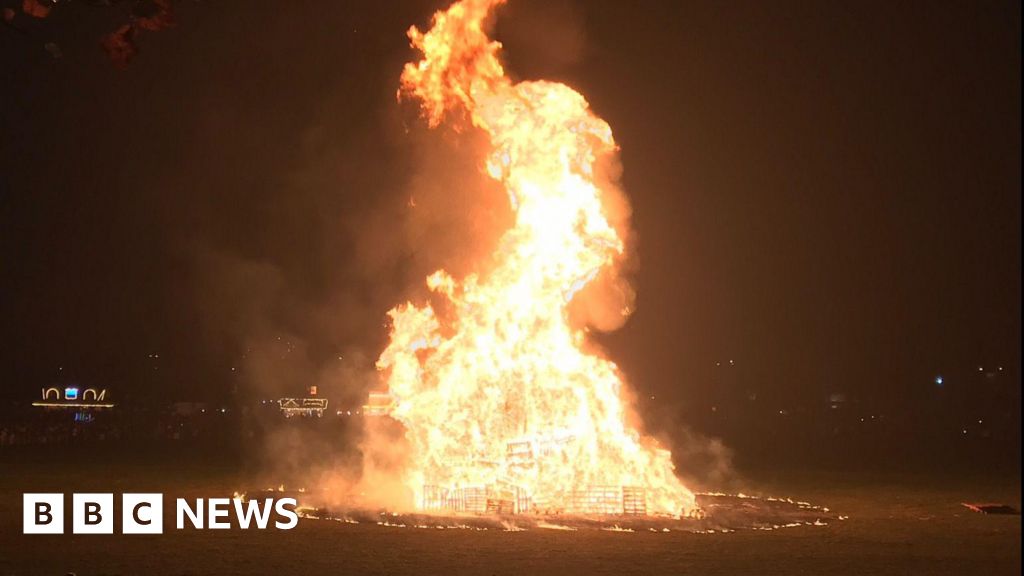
[72,397]
[302,406]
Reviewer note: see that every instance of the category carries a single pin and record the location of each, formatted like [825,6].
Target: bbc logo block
[93,514]
[142,514]
[43,513]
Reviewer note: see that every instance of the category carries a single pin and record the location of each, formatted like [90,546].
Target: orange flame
[501,392]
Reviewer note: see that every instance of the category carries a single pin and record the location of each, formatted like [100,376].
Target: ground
[898,523]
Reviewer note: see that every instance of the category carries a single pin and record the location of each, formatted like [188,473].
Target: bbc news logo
[144,513]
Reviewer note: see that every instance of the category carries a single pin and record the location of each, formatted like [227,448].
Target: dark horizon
[830,199]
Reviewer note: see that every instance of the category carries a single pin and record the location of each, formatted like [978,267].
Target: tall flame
[501,389]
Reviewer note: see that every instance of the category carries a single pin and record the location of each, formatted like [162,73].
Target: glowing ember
[499,397]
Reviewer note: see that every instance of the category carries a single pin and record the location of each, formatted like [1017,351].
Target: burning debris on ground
[721,513]
[992,508]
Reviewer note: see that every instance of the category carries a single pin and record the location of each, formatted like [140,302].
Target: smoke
[384,450]
[278,343]
[704,464]
[546,38]
[298,295]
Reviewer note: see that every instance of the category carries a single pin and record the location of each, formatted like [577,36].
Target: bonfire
[506,405]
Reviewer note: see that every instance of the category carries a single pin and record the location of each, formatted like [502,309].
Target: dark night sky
[827,195]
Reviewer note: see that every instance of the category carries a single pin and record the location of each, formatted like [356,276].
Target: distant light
[965,430]
[731,362]
[71,393]
[939,380]
[981,369]
[1000,368]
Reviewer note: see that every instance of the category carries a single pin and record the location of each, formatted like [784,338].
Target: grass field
[897,524]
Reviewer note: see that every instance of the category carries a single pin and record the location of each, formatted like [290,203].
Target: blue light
[938,380]
[71,393]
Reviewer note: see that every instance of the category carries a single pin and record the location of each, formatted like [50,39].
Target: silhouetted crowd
[65,429]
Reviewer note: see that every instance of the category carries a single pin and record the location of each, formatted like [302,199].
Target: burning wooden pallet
[503,499]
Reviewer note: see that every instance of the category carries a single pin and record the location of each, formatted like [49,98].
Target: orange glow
[503,391]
